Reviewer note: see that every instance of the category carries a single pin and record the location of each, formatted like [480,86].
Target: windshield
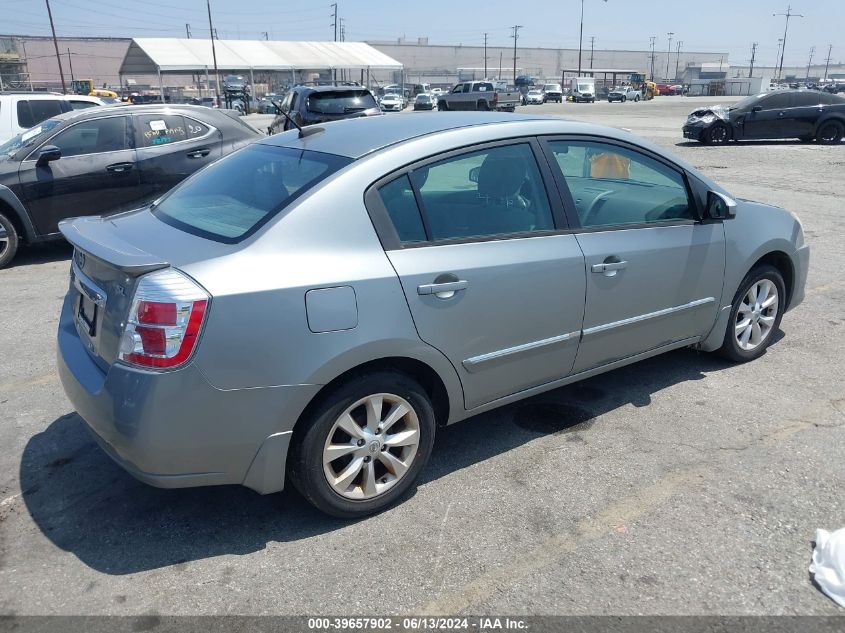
[584,87]
[340,102]
[551,88]
[748,101]
[233,198]
[29,138]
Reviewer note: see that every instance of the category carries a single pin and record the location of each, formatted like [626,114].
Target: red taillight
[165,320]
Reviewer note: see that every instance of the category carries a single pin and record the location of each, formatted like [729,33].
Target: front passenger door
[654,274]
[96,173]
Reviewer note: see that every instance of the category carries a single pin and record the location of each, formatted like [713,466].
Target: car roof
[330,88]
[360,136]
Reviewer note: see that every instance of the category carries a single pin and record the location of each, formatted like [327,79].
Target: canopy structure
[181,55]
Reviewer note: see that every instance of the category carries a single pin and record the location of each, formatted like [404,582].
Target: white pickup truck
[478,95]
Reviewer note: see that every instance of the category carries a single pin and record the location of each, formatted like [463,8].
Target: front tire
[441,105]
[8,241]
[364,446]
[717,134]
[756,312]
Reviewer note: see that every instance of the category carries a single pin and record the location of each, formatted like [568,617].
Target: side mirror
[473,174]
[757,109]
[720,206]
[47,154]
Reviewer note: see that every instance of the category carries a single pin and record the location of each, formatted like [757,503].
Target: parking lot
[680,485]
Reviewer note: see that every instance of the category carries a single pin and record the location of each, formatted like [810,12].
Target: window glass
[398,199]
[33,111]
[832,99]
[233,197]
[194,128]
[489,192]
[805,99]
[776,101]
[160,129]
[612,185]
[81,105]
[340,101]
[92,137]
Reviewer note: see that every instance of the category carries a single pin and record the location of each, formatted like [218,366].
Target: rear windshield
[340,101]
[233,198]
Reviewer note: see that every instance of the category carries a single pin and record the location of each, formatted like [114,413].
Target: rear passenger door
[492,278]
[171,147]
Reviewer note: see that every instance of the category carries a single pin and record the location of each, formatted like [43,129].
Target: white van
[582,89]
[20,111]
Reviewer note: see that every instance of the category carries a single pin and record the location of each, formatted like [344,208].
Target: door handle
[117,168]
[199,153]
[443,290]
[608,267]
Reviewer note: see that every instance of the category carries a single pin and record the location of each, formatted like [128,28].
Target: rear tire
[362,495]
[624,98]
[481,105]
[442,106]
[830,132]
[8,241]
[752,323]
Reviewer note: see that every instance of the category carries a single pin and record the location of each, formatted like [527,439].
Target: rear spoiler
[95,236]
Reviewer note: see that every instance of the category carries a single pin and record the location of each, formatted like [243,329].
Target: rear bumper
[174,429]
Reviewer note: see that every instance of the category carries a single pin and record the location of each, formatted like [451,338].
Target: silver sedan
[314,306]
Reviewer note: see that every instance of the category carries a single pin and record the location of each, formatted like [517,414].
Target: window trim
[569,202]
[129,125]
[388,235]
[136,128]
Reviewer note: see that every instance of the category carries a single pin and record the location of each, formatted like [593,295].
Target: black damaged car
[803,114]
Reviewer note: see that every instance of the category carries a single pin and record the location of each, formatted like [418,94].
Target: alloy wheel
[828,133]
[371,446]
[757,314]
[719,134]
[4,239]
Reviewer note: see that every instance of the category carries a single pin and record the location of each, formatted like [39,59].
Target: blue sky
[701,25]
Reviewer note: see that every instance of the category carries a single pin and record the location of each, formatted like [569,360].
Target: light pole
[581,37]
[668,53]
[787,15]
[678,60]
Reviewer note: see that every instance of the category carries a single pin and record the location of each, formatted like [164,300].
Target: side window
[194,128]
[613,186]
[777,101]
[806,99]
[93,137]
[32,111]
[494,191]
[398,199]
[153,130]
[457,88]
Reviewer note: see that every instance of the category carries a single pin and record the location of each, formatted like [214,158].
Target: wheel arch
[12,207]
[783,263]
[826,118]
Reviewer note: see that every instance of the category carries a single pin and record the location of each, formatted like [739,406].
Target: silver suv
[316,304]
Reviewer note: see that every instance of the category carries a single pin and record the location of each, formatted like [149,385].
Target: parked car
[89,162]
[308,105]
[534,97]
[310,311]
[623,94]
[19,111]
[425,101]
[552,92]
[804,114]
[478,95]
[392,102]
[665,89]
[582,89]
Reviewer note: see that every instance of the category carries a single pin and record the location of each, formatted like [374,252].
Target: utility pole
[678,59]
[500,67]
[787,15]
[515,37]
[652,39]
[668,53]
[70,63]
[777,57]
[266,35]
[56,44]
[827,63]
[753,56]
[188,30]
[485,55]
[592,48]
[334,26]
[212,33]
[809,63]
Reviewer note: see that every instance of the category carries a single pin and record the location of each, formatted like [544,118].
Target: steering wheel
[595,205]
